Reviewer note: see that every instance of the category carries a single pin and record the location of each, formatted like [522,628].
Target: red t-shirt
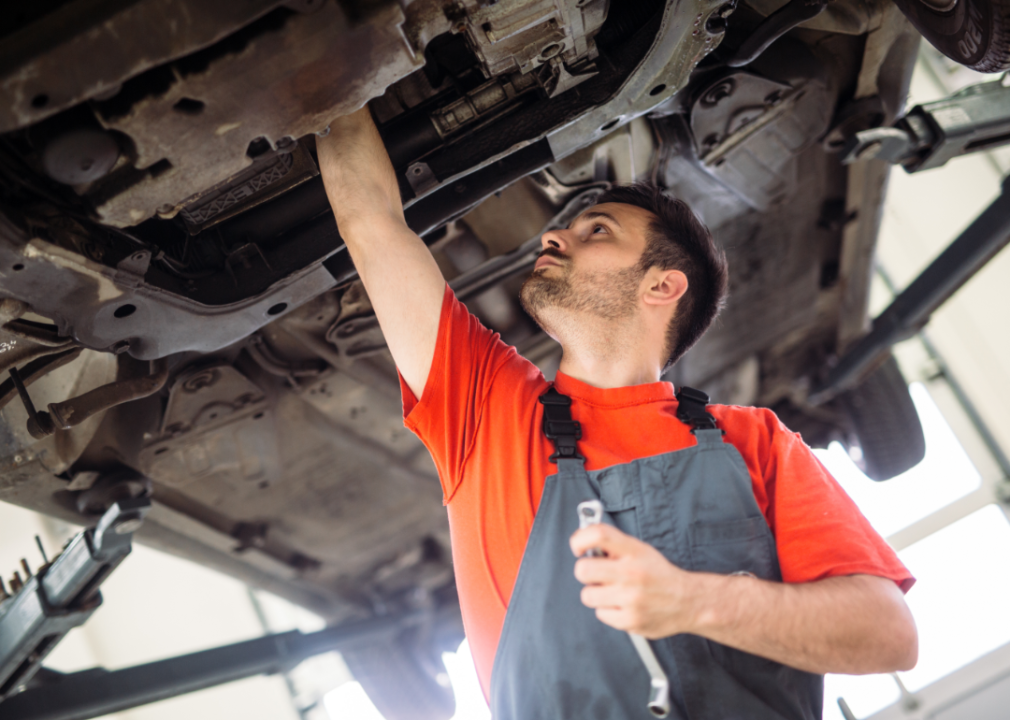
[480,418]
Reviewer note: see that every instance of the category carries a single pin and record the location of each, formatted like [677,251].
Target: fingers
[629,609]
[594,571]
[599,597]
[620,616]
[605,537]
[616,618]
[634,588]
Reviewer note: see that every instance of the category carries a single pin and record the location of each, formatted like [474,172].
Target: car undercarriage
[179,307]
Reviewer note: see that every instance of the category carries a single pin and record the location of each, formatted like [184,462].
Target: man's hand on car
[401,278]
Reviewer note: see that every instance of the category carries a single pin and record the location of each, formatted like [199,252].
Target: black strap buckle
[691,410]
[559,427]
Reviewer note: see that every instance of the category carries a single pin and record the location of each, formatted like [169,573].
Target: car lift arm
[96,692]
[64,593]
[61,595]
[974,119]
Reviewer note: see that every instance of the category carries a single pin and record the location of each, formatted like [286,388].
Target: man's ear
[664,287]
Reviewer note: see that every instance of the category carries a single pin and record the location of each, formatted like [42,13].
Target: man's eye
[599,228]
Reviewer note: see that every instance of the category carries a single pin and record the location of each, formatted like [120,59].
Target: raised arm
[402,280]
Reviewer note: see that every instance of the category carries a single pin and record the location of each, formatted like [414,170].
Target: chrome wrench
[591,513]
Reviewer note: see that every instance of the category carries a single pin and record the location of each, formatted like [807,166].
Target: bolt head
[41,425]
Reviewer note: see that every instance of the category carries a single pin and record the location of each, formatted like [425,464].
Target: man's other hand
[853,624]
[633,588]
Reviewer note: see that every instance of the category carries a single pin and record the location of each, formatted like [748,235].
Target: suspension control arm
[67,414]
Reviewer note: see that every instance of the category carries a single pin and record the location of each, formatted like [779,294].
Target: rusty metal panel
[87,49]
[217,421]
[282,85]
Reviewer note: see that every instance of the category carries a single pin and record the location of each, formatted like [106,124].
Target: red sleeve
[467,358]
[819,531]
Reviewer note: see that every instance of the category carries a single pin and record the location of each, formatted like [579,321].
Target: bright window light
[944,475]
[958,605]
[350,702]
[865,694]
[470,703]
[959,600]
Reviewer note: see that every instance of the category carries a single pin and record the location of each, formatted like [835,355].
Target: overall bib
[556,661]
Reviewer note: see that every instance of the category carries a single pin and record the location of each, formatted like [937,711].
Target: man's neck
[609,376]
[606,356]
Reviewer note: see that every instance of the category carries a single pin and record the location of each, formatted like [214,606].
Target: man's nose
[556,239]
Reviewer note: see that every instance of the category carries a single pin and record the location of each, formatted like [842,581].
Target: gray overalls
[556,661]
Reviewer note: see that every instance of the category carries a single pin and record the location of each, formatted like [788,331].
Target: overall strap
[559,427]
[691,411]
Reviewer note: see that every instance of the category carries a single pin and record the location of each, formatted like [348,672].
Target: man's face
[590,268]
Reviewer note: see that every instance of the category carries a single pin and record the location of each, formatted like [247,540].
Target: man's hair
[679,241]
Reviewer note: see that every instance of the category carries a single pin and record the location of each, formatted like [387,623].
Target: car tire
[397,683]
[885,422]
[974,33]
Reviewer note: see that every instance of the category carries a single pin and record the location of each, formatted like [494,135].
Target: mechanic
[726,542]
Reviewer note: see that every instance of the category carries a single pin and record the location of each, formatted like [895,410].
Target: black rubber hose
[775,26]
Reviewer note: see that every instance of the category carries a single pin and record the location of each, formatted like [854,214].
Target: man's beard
[605,294]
